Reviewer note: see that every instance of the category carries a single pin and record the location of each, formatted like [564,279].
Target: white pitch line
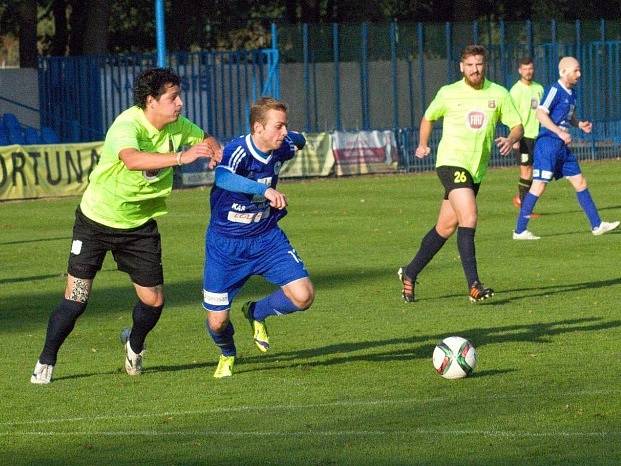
[357,433]
[335,404]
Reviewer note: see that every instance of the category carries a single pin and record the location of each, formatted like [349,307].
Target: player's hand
[216,151]
[422,151]
[585,126]
[202,149]
[516,146]
[277,199]
[504,145]
[565,136]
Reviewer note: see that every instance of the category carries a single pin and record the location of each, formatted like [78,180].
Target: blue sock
[528,205]
[276,304]
[224,340]
[587,204]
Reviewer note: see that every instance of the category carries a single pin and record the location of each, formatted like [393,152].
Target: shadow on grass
[533,292]
[551,213]
[407,348]
[32,278]
[32,307]
[40,240]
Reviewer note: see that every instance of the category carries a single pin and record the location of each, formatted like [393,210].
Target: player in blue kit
[243,237]
[553,158]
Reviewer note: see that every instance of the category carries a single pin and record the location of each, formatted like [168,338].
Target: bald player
[553,157]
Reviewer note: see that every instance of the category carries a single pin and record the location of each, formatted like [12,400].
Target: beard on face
[474,78]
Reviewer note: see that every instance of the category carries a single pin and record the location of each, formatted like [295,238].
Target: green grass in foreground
[350,381]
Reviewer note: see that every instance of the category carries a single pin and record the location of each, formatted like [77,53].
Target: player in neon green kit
[526,95]
[126,191]
[471,107]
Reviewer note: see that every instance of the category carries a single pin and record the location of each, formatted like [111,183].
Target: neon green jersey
[526,99]
[469,127]
[121,198]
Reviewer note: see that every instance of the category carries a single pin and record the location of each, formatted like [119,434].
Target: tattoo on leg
[79,291]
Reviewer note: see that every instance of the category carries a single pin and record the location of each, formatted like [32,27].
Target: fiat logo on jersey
[475,119]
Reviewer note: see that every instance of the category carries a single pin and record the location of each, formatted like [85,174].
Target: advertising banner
[362,152]
[316,159]
[46,170]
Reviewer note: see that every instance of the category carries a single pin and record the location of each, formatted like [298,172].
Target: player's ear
[461,66]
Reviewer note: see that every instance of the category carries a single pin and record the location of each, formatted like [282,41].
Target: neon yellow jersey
[526,99]
[121,198]
[469,127]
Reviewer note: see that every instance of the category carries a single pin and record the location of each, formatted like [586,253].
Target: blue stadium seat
[31,136]
[16,136]
[11,121]
[49,136]
[4,137]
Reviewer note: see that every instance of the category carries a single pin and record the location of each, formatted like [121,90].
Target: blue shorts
[553,159]
[229,263]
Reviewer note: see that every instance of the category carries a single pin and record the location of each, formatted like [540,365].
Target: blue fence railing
[81,96]
[336,76]
[372,76]
[603,143]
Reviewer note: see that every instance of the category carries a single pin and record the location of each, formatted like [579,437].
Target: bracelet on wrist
[179,154]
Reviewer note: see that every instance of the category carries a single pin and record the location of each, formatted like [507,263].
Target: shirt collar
[569,91]
[261,156]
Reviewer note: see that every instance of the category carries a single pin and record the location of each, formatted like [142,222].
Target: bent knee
[155,300]
[303,299]
[216,324]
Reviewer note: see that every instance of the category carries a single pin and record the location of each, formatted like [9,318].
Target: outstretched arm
[216,149]
[138,160]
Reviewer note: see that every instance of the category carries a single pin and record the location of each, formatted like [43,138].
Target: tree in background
[77,27]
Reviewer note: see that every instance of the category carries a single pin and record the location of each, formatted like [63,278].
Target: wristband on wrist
[179,154]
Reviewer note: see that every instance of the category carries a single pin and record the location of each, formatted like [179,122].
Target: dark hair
[153,82]
[471,50]
[260,108]
[525,61]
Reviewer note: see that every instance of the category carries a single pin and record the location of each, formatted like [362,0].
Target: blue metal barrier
[603,143]
[81,96]
[391,70]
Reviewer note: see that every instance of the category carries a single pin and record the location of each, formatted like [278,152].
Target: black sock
[59,326]
[145,317]
[465,245]
[431,243]
[524,187]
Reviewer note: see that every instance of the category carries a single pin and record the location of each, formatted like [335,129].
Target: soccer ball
[454,358]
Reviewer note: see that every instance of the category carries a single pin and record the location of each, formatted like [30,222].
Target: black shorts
[137,251]
[525,152]
[455,178]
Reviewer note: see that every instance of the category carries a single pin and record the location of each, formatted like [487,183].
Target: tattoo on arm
[80,290]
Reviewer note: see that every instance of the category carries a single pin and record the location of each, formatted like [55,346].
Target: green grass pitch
[351,380]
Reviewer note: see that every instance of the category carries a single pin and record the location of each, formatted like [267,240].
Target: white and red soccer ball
[454,358]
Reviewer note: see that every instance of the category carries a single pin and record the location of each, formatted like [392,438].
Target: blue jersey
[560,104]
[238,214]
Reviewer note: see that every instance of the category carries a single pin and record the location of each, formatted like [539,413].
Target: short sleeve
[437,107]
[549,99]
[192,134]
[122,135]
[509,115]
[234,158]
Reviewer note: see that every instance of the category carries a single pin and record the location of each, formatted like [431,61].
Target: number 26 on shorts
[460,177]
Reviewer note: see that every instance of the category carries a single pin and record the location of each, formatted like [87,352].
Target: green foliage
[350,381]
